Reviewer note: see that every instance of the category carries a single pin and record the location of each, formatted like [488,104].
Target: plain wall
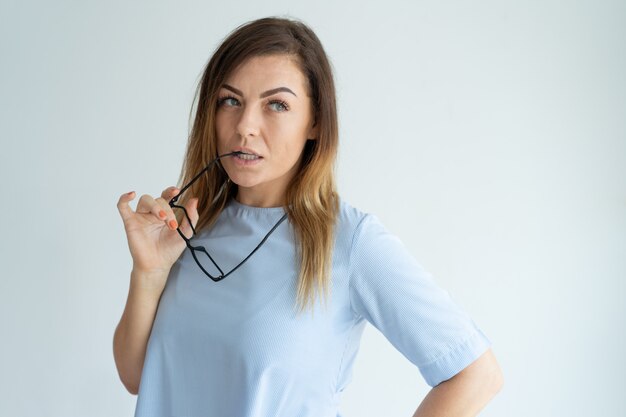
[489,136]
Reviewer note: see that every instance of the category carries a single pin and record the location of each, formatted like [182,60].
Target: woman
[210,330]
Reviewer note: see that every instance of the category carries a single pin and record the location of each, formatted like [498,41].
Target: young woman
[257,228]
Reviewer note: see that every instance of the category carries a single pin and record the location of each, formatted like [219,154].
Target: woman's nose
[249,121]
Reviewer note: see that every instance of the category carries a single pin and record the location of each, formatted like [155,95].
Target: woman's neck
[257,198]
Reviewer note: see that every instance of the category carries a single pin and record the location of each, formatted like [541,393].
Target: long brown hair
[311,199]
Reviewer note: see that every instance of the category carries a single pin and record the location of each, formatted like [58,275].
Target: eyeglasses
[199,253]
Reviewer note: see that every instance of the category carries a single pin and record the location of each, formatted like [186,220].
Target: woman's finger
[169,193]
[148,205]
[192,211]
[123,207]
[166,213]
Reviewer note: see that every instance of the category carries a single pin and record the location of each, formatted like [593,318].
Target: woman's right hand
[151,231]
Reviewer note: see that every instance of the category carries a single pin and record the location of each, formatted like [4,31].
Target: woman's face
[263,110]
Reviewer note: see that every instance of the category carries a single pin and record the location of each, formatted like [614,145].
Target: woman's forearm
[466,393]
[133,331]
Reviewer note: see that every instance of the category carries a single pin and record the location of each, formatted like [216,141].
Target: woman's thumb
[191,207]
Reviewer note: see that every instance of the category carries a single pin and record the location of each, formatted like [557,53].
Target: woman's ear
[314,131]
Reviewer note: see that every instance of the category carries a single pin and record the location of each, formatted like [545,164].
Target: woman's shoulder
[350,219]
[354,224]
[348,214]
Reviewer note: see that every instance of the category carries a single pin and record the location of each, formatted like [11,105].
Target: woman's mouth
[247,156]
[246,159]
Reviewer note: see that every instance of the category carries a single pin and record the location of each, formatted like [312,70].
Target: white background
[490,136]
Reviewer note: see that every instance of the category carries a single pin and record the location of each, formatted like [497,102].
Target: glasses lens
[206,262]
[183,221]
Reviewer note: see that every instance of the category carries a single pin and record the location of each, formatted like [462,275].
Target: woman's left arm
[466,393]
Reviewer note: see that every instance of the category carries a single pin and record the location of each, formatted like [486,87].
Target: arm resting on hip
[466,393]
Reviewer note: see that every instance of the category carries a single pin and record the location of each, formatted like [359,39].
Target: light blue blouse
[235,348]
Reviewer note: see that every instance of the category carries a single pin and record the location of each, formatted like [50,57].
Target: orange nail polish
[173,224]
[162,214]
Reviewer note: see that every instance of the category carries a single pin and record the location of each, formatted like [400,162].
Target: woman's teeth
[247,156]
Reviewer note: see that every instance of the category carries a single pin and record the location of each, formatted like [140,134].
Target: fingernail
[173,224]
[162,214]
[130,193]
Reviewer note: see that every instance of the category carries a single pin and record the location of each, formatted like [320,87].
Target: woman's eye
[280,106]
[229,101]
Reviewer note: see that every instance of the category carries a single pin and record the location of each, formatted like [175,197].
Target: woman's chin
[244,182]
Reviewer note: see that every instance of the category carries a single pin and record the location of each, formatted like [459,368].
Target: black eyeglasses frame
[193,248]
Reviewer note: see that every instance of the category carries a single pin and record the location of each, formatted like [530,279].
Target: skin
[270,129]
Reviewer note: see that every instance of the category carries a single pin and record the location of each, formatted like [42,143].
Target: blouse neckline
[253,209]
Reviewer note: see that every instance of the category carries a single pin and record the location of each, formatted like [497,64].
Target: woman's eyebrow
[264,94]
[276,90]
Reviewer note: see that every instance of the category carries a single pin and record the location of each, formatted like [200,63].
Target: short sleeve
[392,291]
